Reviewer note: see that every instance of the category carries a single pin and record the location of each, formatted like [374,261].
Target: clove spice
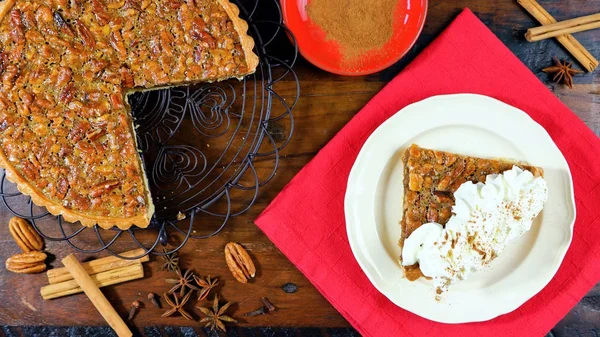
[259,311]
[153,300]
[134,306]
[268,304]
[267,308]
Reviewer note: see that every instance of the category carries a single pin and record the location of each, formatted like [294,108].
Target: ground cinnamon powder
[357,25]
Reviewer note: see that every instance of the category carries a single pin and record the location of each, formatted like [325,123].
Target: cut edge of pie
[430,179]
[141,220]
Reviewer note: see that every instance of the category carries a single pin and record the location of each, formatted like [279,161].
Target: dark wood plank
[328,102]
[157,331]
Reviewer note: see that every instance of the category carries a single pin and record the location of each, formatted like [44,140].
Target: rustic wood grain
[159,331]
[328,102]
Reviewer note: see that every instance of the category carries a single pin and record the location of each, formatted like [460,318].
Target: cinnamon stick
[102,279]
[568,41]
[563,27]
[93,267]
[96,297]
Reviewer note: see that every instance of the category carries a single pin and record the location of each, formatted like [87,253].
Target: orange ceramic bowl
[408,23]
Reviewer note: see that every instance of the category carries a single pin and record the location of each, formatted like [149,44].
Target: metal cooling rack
[200,146]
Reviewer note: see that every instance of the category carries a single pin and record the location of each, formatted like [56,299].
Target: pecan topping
[10,73]
[127,78]
[444,183]
[27,263]
[166,39]
[173,4]
[116,41]
[45,103]
[443,197]
[62,25]
[115,4]
[44,15]
[3,61]
[29,170]
[95,134]
[207,40]
[100,12]
[133,4]
[415,182]
[116,100]
[4,102]
[26,97]
[17,33]
[239,262]
[64,76]
[66,95]
[28,19]
[62,188]
[103,188]
[24,235]
[86,36]
[432,214]
[198,27]
[99,121]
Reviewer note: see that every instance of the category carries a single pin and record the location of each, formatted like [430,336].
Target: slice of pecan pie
[430,179]
[66,134]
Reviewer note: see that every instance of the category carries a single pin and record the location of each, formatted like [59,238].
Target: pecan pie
[430,179]
[66,133]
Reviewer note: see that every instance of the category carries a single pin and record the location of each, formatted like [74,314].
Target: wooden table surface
[327,103]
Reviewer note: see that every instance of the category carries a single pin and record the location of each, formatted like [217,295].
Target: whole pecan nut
[27,263]
[24,234]
[239,262]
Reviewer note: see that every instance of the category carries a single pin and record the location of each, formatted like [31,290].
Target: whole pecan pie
[430,179]
[66,134]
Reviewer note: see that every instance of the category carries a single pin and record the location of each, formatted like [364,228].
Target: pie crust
[430,179]
[123,46]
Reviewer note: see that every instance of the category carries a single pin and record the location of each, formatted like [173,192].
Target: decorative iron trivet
[200,147]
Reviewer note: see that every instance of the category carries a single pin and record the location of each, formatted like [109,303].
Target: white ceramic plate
[472,125]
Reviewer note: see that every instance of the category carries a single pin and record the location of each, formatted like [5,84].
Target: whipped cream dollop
[487,217]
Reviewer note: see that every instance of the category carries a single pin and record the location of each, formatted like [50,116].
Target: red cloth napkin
[306,220]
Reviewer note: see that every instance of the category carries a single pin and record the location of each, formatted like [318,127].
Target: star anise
[563,72]
[183,282]
[177,305]
[171,261]
[214,319]
[206,284]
